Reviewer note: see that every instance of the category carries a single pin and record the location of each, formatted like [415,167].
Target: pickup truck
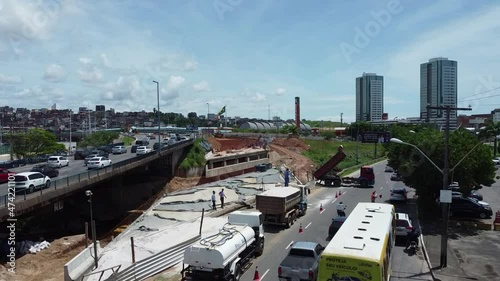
[301,262]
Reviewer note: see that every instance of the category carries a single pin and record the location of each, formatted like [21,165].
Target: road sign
[375,137]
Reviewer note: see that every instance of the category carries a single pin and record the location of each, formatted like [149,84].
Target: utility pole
[70,117]
[341,119]
[446,170]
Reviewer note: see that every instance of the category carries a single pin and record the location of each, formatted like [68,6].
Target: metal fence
[154,264]
[66,182]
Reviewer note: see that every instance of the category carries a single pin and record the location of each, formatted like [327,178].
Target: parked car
[301,263]
[335,225]
[99,162]
[20,162]
[389,169]
[398,194]
[457,193]
[469,207]
[119,149]
[143,150]
[47,170]
[396,177]
[30,181]
[4,175]
[58,161]
[403,224]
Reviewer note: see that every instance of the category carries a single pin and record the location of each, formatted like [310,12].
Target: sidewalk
[432,240]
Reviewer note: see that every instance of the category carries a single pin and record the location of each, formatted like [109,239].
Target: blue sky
[251,56]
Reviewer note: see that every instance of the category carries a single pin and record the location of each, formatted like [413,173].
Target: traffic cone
[340,193]
[321,207]
[256,276]
[336,195]
[300,228]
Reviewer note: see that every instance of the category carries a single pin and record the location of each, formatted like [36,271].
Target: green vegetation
[34,142]
[99,138]
[320,151]
[128,140]
[418,172]
[195,157]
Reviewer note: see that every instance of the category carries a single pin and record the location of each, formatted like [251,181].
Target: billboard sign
[375,137]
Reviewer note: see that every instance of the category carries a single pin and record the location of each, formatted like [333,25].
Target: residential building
[438,87]
[495,115]
[369,97]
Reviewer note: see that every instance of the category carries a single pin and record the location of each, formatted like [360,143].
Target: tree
[35,142]
[99,138]
[492,130]
[419,173]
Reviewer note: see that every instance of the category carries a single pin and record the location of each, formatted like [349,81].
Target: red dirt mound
[291,143]
[225,144]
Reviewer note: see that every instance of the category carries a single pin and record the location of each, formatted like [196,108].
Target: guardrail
[154,264]
[73,179]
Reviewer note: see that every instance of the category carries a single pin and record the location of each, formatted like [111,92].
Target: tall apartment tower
[369,97]
[438,87]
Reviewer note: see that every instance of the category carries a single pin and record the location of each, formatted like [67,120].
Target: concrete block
[81,263]
[469,224]
[496,226]
[484,226]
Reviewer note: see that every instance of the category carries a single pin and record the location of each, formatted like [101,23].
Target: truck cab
[366,176]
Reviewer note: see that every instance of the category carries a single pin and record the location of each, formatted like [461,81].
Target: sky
[254,57]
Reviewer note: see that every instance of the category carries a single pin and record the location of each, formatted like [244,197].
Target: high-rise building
[100,108]
[438,87]
[369,97]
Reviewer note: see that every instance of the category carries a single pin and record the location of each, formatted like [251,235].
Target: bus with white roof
[361,250]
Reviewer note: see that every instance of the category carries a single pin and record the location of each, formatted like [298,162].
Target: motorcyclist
[341,209]
[412,237]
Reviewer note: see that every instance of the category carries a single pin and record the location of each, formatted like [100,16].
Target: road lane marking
[381,187]
[289,245]
[262,277]
[334,200]
[308,225]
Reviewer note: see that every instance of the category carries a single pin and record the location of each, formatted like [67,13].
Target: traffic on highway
[314,227]
[68,168]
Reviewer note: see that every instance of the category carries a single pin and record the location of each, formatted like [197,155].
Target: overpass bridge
[63,187]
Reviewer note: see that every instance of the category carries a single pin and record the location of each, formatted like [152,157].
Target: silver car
[119,149]
[398,195]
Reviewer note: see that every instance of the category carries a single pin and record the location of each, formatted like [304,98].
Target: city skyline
[252,57]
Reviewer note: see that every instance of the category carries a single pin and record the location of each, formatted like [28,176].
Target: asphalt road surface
[315,228]
[75,167]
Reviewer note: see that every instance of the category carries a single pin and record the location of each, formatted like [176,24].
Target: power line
[490,90]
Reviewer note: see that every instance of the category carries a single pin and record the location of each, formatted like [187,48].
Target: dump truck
[227,254]
[327,176]
[282,205]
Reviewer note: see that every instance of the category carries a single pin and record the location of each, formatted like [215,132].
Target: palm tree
[491,129]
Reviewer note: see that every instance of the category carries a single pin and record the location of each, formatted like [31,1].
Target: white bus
[361,249]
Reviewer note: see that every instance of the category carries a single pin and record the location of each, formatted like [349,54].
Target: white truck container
[225,255]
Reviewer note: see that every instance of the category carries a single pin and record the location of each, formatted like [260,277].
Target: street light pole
[445,206]
[159,116]
[94,240]
[70,117]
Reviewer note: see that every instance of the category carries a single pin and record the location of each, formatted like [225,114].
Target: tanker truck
[227,254]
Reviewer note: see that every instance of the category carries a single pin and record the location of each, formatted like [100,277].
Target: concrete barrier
[497,226]
[484,226]
[81,263]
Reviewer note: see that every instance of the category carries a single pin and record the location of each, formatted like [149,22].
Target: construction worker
[287,176]
[341,209]
[373,196]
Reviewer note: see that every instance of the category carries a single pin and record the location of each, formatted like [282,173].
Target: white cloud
[202,86]
[436,10]
[54,73]
[175,82]
[125,87]
[10,79]
[89,73]
[259,97]
[280,91]
[105,60]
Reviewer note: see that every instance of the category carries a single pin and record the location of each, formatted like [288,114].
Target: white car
[58,161]
[99,162]
[143,150]
[30,181]
[403,224]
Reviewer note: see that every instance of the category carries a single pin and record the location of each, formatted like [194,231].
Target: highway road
[75,167]
[315,228]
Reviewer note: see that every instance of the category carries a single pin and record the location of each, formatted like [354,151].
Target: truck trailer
[227,254]
[282,205]
[328,177]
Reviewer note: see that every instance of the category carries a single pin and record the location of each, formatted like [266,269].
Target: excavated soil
[48,265]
